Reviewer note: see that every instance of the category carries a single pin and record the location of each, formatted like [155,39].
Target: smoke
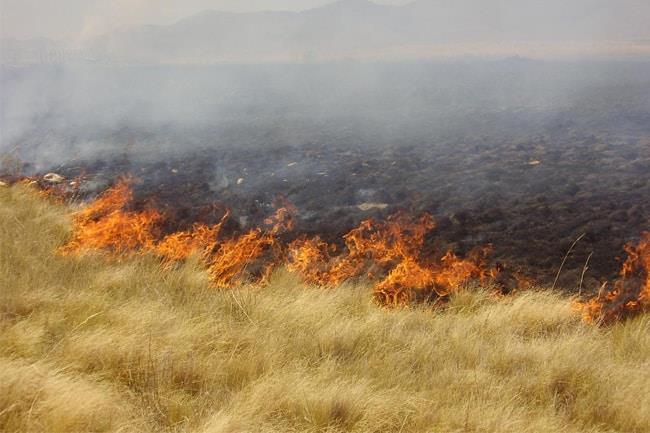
[78,20]
[106,16]
[93,105]
[53,114]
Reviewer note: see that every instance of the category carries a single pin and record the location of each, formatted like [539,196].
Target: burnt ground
[525,156]
[530,200]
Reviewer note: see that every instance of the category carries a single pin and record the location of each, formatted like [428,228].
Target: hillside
[90,343]
[362,29]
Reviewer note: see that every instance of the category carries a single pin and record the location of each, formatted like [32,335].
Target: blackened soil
[529,199]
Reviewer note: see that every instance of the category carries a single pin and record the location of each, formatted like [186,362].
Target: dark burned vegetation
[530,201]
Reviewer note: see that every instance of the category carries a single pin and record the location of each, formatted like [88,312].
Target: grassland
[103,345]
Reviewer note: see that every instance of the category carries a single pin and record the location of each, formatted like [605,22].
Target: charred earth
[526,156]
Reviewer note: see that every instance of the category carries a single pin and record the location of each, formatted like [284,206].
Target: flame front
[391,252]
[106,225]
[631,292]
[201,240]
[234,257]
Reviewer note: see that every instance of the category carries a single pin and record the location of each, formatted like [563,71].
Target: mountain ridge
[362,29]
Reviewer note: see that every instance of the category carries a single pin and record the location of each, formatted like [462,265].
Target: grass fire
[392,252]
[325,216]
[111,324]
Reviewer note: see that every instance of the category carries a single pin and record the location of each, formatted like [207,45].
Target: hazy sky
[78,18]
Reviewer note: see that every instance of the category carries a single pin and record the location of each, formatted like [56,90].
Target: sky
[66,19]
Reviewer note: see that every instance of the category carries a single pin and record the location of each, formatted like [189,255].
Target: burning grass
[631,292]
[92,344]
[390,252]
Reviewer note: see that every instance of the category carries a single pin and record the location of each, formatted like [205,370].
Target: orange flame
[105,224]
[631,292]
[310,258]
[234,257]
[202,239]
[392,252]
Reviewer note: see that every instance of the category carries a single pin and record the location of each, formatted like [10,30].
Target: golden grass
[92,344]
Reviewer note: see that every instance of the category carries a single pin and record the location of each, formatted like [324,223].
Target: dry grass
[89,344]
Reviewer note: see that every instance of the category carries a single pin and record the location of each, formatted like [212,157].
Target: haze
[26,19]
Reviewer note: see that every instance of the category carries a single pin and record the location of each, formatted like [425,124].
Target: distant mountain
[39,50]
[530,20]
[360,28]
[332,30]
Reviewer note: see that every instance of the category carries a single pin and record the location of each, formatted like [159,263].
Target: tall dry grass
[92,344]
